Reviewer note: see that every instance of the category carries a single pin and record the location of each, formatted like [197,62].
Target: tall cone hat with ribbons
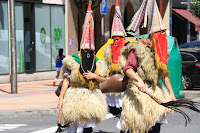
[155,19]
[117,25]
[87,55]
[87,40]
[118,34]
[148,8]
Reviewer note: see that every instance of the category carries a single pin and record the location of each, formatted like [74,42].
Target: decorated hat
[148,8]
[155,19]
[138,17]
[87,40]
[117,25]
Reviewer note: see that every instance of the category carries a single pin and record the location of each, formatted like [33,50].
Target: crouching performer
[81,101]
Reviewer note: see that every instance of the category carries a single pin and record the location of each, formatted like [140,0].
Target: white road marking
[47,130]
[54,128]
[108,116]
[4,127]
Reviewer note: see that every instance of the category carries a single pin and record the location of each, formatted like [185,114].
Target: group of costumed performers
[81,101]
[142,63]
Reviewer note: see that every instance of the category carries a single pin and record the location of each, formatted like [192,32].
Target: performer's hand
[89,75]
[141,86]
[172,97]
[60,103]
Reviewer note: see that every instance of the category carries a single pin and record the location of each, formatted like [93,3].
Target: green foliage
[82,5]
[195,7]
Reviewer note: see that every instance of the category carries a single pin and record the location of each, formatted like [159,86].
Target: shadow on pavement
[5,91]
[102,132]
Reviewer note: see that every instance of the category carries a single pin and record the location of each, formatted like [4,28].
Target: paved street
[33,110]
[47,124]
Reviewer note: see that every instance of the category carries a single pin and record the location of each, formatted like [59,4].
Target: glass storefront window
[57,31]
[4,49]
[49,35]
[42,37]
[19,36]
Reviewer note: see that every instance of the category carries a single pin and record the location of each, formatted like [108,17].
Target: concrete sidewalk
[33,99]
[37,98]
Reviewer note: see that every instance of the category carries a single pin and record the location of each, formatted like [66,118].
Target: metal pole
[170,21]
[66,28]
[12,45]
[188,23]
[102,29]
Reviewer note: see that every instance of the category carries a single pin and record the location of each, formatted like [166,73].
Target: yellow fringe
[161,67]
[89,83]
[114,67]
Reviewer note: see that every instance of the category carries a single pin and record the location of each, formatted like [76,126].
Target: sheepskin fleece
[139,111]
[146,65]
[81,103]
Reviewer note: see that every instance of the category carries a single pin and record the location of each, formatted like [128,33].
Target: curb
[191,95]
[28,113]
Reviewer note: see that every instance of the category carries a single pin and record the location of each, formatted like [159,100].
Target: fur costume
[81,103]
[139,111]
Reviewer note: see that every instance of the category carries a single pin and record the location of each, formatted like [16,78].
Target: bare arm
[62,93]
[132,75]
[56,59]
[90,75]
[167,83]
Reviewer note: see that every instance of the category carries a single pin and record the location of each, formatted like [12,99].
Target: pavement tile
[33,99]
[37,98]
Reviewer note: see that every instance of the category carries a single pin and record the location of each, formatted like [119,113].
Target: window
[197,46]
[42,37]
[4,49]
[187,57]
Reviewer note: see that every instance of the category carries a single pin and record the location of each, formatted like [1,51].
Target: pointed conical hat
[155,19]
[117,25]
[87,40]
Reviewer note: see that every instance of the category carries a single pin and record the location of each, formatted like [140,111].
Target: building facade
[40,32]
[185,26]
[44,26]
[102,34]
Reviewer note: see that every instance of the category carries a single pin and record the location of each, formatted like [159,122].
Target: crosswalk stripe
[47,130]
[54,128]
[4,127]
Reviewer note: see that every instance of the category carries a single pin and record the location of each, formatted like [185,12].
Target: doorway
[29,38]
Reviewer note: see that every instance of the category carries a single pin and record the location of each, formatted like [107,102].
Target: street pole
[102,29]
[170,19]
[66,28]
[12,46]
[188,22]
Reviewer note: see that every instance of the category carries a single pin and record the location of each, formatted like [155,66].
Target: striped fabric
[148,8]
[138,17]
[117,25]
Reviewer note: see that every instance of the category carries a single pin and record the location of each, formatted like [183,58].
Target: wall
[127,7]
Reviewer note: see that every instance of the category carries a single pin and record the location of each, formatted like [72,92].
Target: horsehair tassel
[179,103]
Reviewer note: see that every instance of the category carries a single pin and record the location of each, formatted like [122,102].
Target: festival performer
[145,63]
[111,55]
[82,103]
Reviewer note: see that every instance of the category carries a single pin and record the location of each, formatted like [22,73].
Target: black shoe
[155,129]
[88,130]
[123,131]
[115,111]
